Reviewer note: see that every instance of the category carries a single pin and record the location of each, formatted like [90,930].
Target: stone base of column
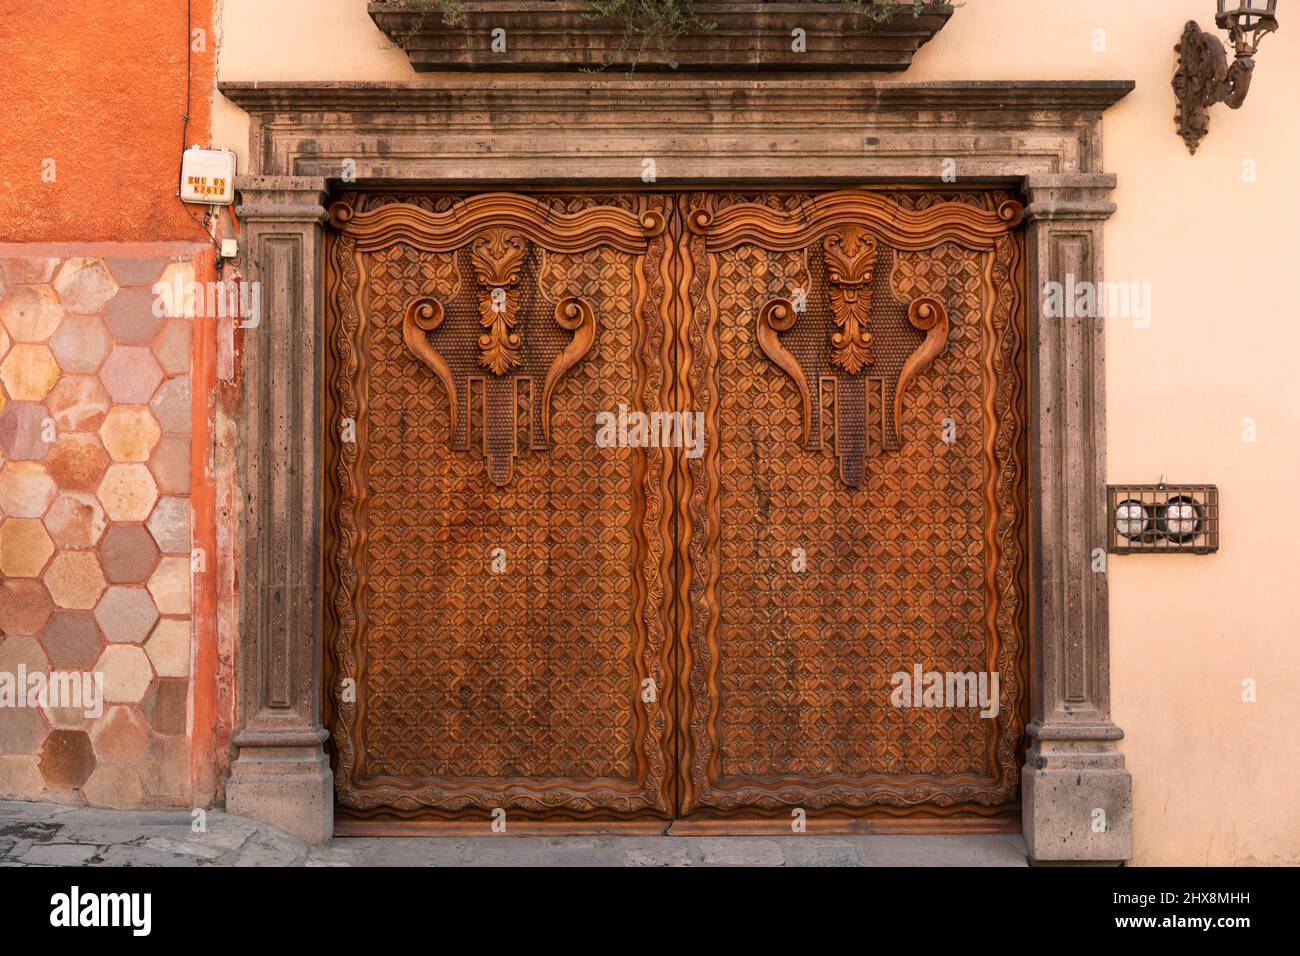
[1076,797]
[290,788]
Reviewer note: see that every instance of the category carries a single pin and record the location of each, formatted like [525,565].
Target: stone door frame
[478,132]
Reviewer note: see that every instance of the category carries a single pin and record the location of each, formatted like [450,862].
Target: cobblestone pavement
[42,834]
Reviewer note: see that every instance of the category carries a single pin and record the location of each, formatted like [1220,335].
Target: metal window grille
[1163,517]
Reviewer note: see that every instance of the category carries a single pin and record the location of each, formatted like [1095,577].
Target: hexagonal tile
[21,730]
[67,759]
[72,640]
[169,648]
[127,615]
[78,403]
[5,342]
[21,651]
[130,432]
[26,489]
[31,313]
[75,520]
[130,374]
[172,346]
[25,607]
[115,786]
[19,778]
[137,270]
[128,492]
[170,586]
[69,718]
[132,316]
[23,430]
[170,463]
[77,461]
[82,343]
[127,673]
[164,767]
[75,579]
[29,270]
[171,403]
[29,372]
[166,706]
[128,553]
[170,525]
[179,298]
[25,547]
[84,285]
[119,735]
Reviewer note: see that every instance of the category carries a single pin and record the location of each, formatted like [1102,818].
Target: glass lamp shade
[1131,519]
[1247,15]
[1181,518]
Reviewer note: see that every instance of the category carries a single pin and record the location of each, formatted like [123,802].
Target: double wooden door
[637,504]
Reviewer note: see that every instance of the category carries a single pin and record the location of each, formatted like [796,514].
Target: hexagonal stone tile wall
[95,580]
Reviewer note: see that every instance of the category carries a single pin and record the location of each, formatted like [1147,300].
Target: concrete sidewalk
[42,834]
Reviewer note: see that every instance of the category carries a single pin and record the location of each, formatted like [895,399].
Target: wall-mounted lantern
[1204,76]
[1163,517]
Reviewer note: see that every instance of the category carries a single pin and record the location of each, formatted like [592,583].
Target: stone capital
[1071,196]
[281,198]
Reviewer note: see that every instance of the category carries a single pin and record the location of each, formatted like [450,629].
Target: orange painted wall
[99,87]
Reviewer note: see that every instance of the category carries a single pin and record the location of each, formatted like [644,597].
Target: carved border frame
[1042,138]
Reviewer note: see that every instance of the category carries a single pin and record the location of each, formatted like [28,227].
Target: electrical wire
[185,126]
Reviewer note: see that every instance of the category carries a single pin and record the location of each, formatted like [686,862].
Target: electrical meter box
[208,176]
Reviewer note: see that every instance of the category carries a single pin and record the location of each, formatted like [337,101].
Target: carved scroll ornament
[869,344]
[506,358]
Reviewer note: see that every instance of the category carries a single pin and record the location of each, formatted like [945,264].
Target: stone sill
[560,35]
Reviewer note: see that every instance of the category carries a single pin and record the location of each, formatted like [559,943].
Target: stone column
[1077,796]
[280,774]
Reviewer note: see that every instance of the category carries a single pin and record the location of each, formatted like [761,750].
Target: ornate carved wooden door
[496,579]
[522,618]
[859,508]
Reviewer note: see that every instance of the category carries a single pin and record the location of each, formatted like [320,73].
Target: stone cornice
[743,35]
[548,128]
[532,93]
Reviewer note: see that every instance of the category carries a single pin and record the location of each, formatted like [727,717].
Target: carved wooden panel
[913,548]
[496,580]
[858,358]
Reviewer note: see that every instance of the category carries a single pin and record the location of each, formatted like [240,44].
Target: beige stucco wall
[1215,779]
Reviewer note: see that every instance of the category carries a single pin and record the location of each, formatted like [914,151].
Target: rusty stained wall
[108,537]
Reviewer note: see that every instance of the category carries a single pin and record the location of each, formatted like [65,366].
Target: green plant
[452,13]
[882,11]
[656,22]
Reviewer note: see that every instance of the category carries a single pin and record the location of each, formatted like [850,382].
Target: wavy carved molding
[467,220]
[811,221]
